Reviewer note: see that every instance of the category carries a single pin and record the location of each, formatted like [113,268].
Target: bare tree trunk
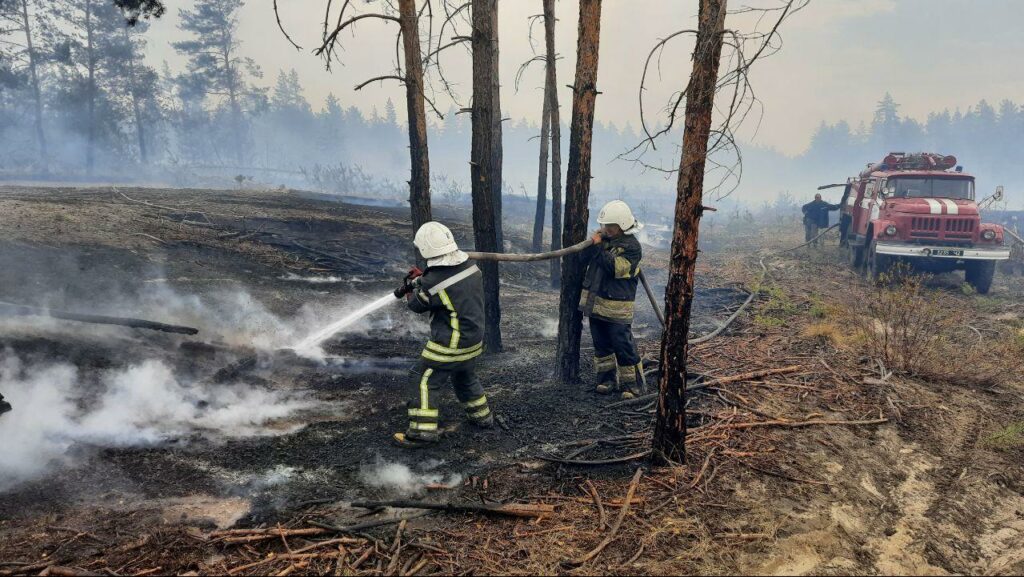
[497,182]
[486,177]
[44,154]
[670,428]
[90,150]
[140,129]
[542,172]
[419,184]
[551,87]
[577,196]
[236,107]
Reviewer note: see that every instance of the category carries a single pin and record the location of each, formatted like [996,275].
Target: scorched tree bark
[577,196]
[419,185]
[670,427]
[542,173]
[551,87]
[485,162]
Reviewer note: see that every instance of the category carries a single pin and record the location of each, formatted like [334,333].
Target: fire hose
[506,257]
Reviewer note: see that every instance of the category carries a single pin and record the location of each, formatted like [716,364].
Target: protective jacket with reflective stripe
[454,297]
[609,285]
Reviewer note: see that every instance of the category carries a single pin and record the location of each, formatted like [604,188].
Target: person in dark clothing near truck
[4,405]
[609,292]
[451,291]
[816,218]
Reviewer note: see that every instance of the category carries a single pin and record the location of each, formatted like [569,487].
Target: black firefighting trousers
[425,381]
[615,354]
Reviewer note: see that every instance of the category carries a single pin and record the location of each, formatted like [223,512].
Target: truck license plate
[947,252]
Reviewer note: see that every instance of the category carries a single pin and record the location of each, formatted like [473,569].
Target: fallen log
[511,510]
[10,309]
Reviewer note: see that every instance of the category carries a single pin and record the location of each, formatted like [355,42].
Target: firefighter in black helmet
[609,292]
[451,291]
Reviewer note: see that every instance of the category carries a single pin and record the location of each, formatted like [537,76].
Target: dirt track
[926,492]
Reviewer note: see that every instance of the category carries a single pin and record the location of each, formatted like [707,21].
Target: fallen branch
[615,527]
[712,383]
[10,309]
[803,423]
[598,463]
[354,529]
[602,518]
[511,510]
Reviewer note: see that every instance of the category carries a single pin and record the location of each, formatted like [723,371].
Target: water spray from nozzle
[312,342]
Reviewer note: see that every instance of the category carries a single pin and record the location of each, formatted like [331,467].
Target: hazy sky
[839,58]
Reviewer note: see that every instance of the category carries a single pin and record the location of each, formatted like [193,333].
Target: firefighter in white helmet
[451,291]
[609,292]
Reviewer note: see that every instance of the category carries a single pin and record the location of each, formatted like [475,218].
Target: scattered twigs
[602,516]
[615,527]
[812,423]
[711,383]
[597,463]
[354,529]
[531,510]
[703,469]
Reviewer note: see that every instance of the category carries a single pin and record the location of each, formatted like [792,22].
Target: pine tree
[390,115]
[217,67]
[20,61]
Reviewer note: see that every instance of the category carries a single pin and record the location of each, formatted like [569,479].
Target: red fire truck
[919,209]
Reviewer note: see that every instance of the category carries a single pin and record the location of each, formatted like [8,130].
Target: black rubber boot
[484,423]
[406,442]
[606,383]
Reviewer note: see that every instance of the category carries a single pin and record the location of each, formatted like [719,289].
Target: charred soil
[925,478]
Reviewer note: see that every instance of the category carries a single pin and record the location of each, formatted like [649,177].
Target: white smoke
[548,328]
[142,405]
[402,480]
[229,317]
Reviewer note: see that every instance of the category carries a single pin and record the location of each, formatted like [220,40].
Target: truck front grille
[923,227]
[949,228]
[959,228]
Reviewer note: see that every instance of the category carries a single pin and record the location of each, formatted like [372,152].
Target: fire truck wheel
[856,256]
[878,265]
[979,275]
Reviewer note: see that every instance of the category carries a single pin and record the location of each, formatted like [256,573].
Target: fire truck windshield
[955,188]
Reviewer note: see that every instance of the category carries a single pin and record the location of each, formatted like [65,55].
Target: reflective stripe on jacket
[609,284]
[454,297]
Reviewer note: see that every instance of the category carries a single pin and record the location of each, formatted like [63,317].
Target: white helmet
[434,239]
[618,212]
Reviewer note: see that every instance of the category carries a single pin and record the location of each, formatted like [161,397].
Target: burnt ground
[938,487]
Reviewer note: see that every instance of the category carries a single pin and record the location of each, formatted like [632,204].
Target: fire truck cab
[920,209]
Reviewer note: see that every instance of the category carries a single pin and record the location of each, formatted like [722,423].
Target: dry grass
[918,331]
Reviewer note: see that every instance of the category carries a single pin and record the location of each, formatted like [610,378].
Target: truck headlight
[989,235]
[890,230]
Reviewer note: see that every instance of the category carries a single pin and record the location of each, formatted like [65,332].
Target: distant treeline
[78,99]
